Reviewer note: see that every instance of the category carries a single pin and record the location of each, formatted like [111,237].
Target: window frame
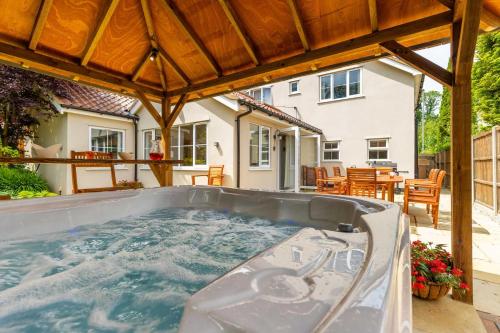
[144,131]
[123,144]
[348,83]
[261,165]
[261,99]
[193,166]
[386,148]
[290,92]
[323,159]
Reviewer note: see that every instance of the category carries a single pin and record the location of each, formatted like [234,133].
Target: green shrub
[13,181]
[8,152]
[31,194]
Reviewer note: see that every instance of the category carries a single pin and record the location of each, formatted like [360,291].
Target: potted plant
[432,271]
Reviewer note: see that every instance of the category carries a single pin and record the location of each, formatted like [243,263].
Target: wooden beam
[93,40]
[464,36]
[140,68]
[151,109]
[43,13]
[489,19]
[438,20]
[299,25]
[448,3]
[240,31]
[415,60]
[189,31]
[372,7]
[153,40]
[167,172]
[177,110]
[164,55]
[68,69]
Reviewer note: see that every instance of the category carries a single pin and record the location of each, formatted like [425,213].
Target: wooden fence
[485,168]
[485,152]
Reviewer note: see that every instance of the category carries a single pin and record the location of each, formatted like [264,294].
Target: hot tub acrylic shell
[318,280]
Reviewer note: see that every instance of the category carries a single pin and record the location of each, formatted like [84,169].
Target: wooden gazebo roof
[207,47]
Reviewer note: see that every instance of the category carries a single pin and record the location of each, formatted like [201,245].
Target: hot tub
[345,270]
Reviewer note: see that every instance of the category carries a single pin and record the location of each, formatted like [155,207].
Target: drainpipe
[135,147]
[238,148]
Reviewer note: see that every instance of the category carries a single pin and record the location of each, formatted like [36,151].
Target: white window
[293,87]
[331,151]
[378,149]
[259,146]
[262,95]
[340,85]
[187,143]
[107,140]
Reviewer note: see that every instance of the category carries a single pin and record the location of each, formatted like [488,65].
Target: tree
[427,118]
[486,80]
[26,98]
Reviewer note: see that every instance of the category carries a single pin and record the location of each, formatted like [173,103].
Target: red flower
[421,279]
[456,272]
[414,273]
[418,285]
[464,286]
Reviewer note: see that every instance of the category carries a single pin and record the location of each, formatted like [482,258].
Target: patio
[486,264]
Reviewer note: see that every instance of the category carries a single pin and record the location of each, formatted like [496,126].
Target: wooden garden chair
[362,182]
[383,171]
[327,185]
[336,171]
[88,155]
[432,177]
[215,175]
[427,193]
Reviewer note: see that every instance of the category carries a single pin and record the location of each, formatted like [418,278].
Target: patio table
[386,180]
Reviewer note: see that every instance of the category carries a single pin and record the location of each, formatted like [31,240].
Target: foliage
[15,180]
[8,152]
[32,194]
[486,80]
[434,264]
[26,98]
[426,117]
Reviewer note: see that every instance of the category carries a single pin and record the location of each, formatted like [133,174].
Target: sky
[440,56]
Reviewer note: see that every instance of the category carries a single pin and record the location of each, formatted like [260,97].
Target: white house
[358,115]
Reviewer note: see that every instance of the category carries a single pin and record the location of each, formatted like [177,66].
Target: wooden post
[165,140]
[494,167]
[463,42]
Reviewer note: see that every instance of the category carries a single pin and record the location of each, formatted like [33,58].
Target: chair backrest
[90,155]
[433,174]
[215,174]
[362,181]
[320,173]
[384,170]
[439,182]
[336,171]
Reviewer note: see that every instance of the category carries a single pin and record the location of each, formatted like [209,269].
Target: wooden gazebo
[175,51]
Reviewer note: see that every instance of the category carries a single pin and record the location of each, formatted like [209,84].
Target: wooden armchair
[432,178]
[362,182]
[326,185]
[215,175]
[426,193]
[336,171]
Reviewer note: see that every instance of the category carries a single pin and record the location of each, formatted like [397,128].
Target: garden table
[386,180]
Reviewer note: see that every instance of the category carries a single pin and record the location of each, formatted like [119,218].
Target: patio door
[289,150]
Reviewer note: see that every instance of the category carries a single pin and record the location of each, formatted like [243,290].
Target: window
[259,146]
[331,151]
[187,142]
[107,140]
[262,95]
[378,149]
[293,87]
[339,85]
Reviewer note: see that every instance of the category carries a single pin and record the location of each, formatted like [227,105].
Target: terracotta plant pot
[432,291]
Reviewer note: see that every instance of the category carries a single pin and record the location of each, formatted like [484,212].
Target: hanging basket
[432,291]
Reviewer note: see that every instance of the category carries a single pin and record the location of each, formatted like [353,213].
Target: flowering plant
[433,264]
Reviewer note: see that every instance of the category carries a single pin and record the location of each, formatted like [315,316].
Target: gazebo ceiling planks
[207,47]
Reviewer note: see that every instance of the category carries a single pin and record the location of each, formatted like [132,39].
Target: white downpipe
[297,159]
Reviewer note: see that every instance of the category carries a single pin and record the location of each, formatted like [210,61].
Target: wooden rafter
[464,37]
[189,31]
[240,31]
[164,55]
[153,40]
[435,21]
[299,24]
[98,32]
[43,12]
[69,69]
[372,7]
[413,59]
[176,111]
[147,104]
[487,17]
[140,68]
